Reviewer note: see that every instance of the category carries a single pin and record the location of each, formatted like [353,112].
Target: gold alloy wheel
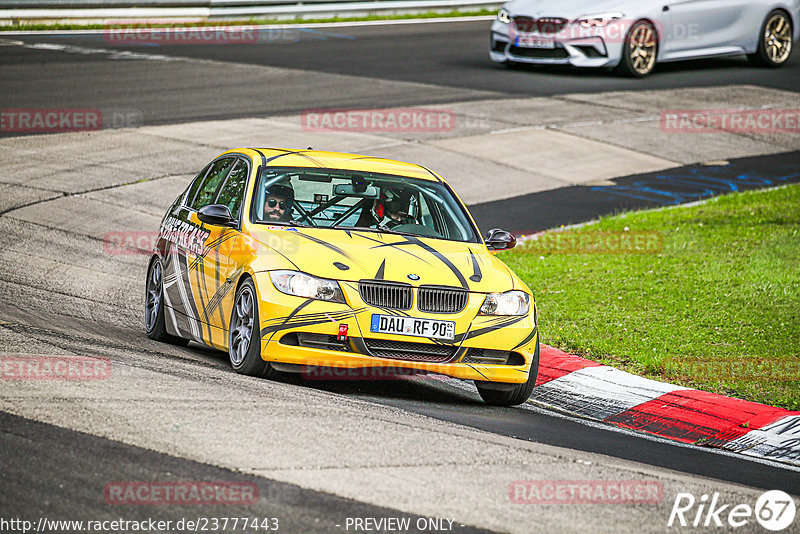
[778,38]
[642,46]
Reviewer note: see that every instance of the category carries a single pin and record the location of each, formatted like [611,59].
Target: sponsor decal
[184,234]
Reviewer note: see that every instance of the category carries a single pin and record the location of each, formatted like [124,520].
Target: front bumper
[300,331]
[574,47]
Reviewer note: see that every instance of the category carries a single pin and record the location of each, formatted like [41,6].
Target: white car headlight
[599,20]
[508,303]
[503,16]
[305,285]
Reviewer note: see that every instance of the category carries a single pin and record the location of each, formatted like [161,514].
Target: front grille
[544,25]
[438,299]
[402,350]
[392,295]
[539,53]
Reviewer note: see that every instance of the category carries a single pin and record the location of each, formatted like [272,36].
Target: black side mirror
[216,214]
[497,239]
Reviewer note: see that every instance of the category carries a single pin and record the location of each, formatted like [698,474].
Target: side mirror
[497,239]
[216,214]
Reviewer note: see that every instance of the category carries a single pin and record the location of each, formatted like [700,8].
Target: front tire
[519,394]
[244,335]
[639,51]
[154,322]
[774,41]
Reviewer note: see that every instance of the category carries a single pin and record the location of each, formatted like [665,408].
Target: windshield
[332,198]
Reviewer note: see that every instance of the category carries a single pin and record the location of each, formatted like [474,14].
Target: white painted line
[600,392]
[518,129]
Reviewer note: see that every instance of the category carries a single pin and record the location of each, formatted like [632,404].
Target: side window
[208,191]
[196,185]
[232,193]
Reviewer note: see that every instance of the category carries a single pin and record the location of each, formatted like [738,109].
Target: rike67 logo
[774,510]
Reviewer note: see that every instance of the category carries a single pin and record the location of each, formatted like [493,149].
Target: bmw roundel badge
[413,276]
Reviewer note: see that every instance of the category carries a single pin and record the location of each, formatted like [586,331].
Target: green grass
[249,22]
[717,308]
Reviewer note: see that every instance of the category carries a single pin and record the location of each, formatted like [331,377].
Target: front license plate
[412,326]
[529,41]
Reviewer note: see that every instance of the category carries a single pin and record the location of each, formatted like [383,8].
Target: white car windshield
[332,198]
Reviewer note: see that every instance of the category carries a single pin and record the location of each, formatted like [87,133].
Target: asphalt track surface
[42,457]
[58,473]
[433,62]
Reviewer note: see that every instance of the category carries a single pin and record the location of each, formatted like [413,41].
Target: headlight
[599,20]
[305,285]
[508,303]
[503,16]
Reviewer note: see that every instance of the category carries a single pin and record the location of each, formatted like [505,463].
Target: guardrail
[14,12]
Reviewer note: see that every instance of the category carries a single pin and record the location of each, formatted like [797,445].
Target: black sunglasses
[272,203]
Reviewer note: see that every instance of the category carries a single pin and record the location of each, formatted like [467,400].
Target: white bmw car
[634,35]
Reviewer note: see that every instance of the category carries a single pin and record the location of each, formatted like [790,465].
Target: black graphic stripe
[527,339]
[477,276]
[381,270]
[327,245]
[491,328]
[398,245]
[414,241]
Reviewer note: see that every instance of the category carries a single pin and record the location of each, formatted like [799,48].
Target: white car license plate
[531,41]
[412,326]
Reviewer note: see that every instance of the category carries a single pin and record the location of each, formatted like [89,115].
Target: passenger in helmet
[392,208]
[278,202]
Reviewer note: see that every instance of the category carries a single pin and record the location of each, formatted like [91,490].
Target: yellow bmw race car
[299,259]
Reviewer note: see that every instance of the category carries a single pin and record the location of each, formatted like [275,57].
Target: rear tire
[519,394]
[775,41]
[244,335]
[154,322]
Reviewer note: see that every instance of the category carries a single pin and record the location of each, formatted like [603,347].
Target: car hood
[569,9]
[355,255]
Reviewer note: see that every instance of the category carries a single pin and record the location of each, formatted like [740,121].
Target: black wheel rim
[242,326]
[153,297]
